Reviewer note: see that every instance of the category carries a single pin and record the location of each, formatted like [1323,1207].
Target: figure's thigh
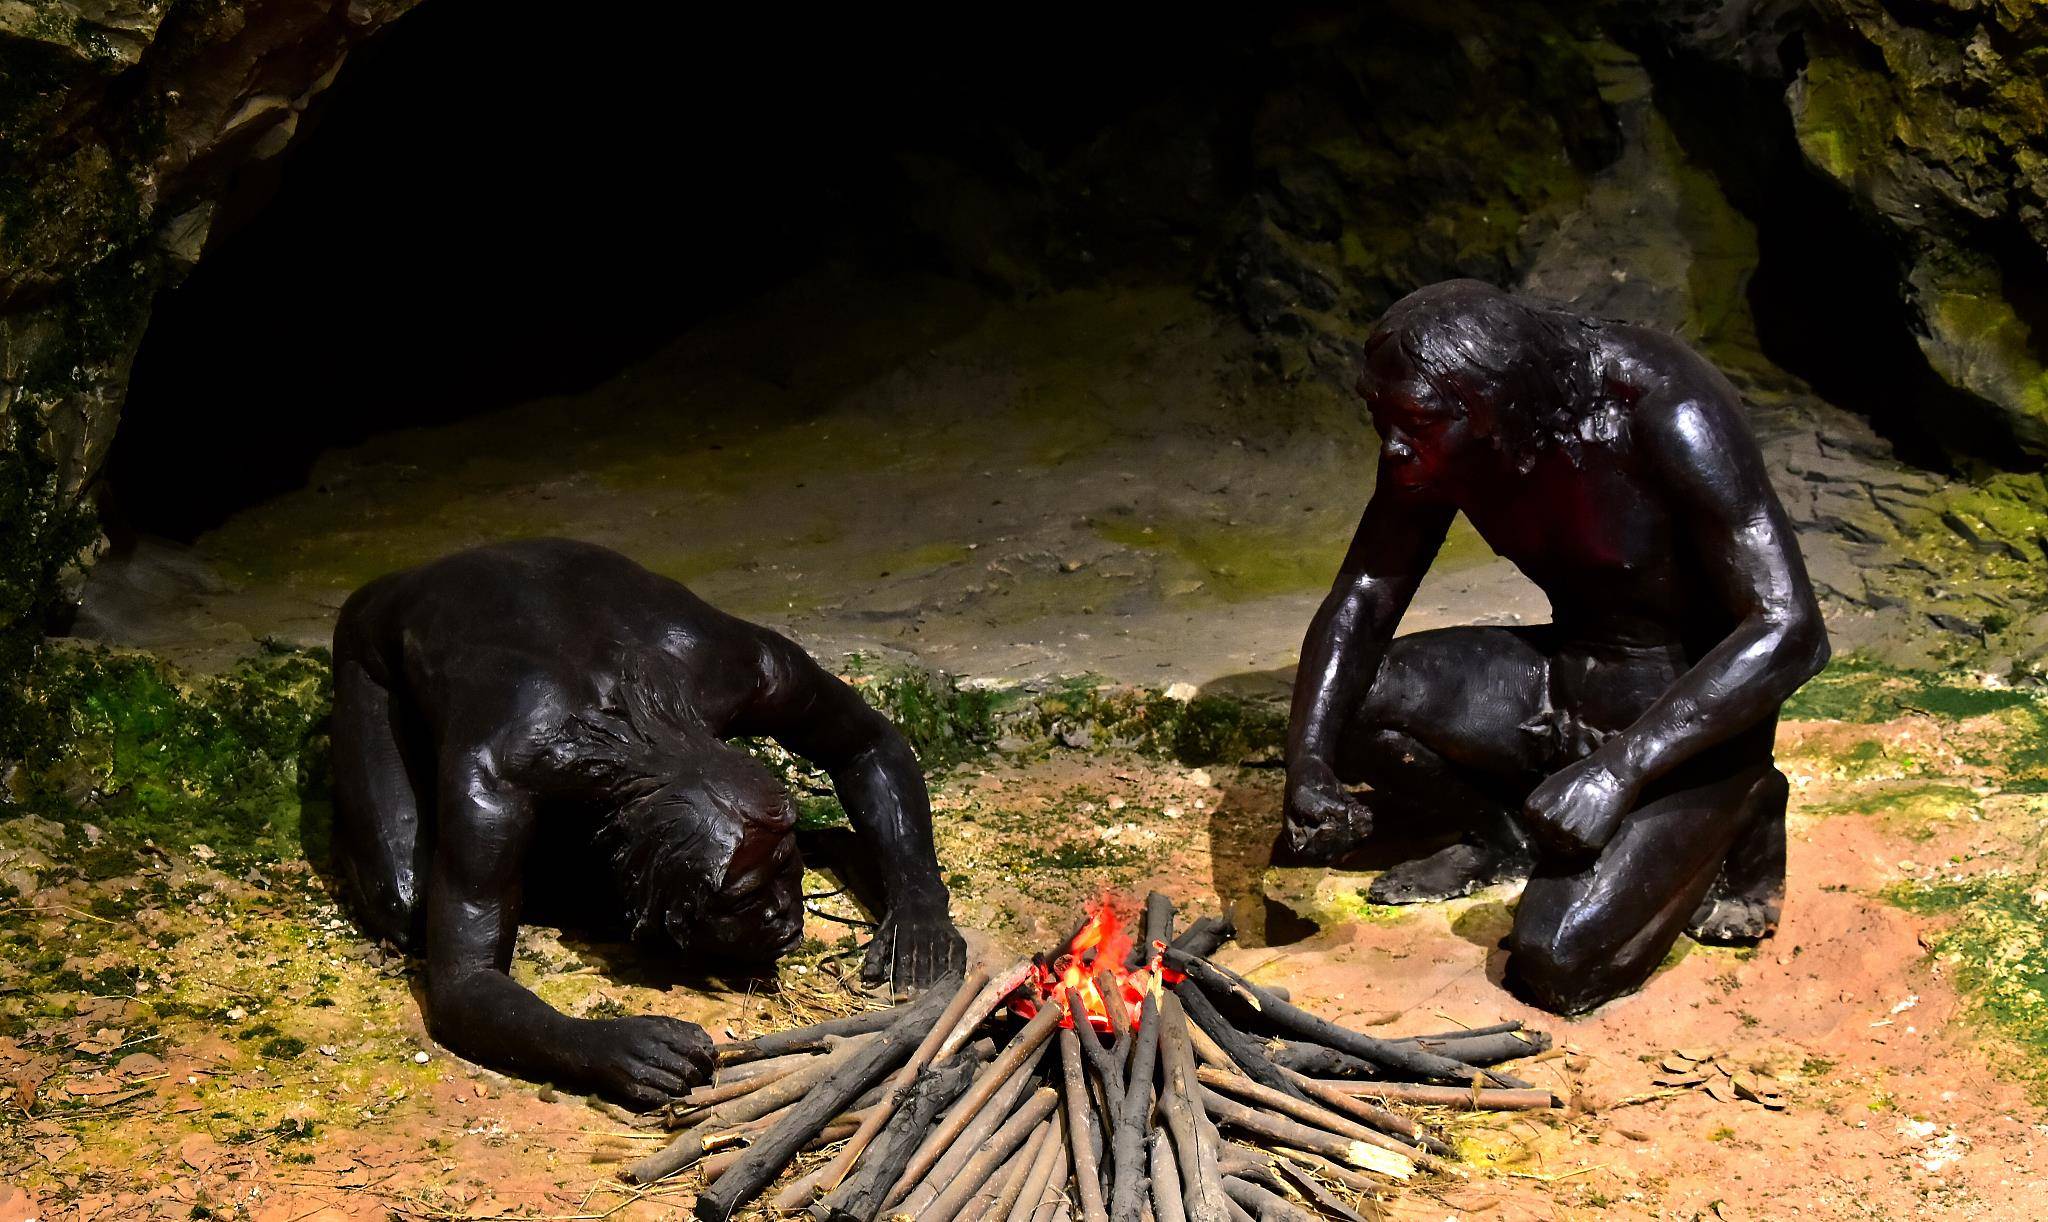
[1462,693]
[1585,935]
[378,839]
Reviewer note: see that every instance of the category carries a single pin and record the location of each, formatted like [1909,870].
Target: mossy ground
[201,1020]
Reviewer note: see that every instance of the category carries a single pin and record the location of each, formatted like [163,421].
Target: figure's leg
[1744,905]
[1439,737]
[378,845]
[1585,935]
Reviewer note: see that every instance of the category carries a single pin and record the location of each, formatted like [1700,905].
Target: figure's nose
[1397,448]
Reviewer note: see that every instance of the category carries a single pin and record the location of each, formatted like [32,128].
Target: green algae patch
[1235,562]
[1995,943]
[1859,689]
[140,751]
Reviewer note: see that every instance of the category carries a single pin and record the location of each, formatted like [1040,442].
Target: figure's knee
[1554,971]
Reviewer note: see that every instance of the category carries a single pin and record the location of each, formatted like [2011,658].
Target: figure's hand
[1577,810]
[913,949]
[1324,821]
[646,1060]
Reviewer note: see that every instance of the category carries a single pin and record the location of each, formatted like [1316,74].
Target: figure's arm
[475,1008]
[1702,454]
[1397,538]
[877,778]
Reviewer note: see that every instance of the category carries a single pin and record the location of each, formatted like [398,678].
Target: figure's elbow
[1802,647]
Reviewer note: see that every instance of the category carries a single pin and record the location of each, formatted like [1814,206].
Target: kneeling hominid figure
[1620,755]
[543,722]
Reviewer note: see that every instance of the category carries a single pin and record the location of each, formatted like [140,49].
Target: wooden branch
[1168,1203]
[1081,1151]
[1021,1047]
[1000,1146]
[1052,1203]
[1491,1049]
[1461,1098]
[713,1131]
[1205,935]
[1157,927]
[859,1197]
[1001,1105]
[1264,1204]
[766,1158]
[1050,1156]
[805,1039]
[1127,1164]
[1313,1114]
[1288,1016]
[985,1002]
[1180,1109]
[797,1196]
[1119,1019]
[1109,1074]
[1366,1113]
[1275,1129]
[999,1196]
[1242,1050]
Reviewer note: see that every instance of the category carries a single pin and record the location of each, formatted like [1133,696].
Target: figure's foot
[1734,920]
[1448,873]
[1322,842]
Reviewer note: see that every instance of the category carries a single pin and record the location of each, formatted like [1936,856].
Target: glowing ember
[1099,948]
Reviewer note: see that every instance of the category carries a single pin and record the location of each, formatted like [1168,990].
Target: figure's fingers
[657,1078]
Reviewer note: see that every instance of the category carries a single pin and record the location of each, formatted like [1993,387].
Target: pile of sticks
[1214,1099]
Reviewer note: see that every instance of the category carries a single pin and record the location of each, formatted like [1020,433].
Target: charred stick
[1317,1061]
[1487,1049]
[1265,1204]
[1167,1203]
[721,1162]
[766,1158]
[1021,1048]
[1205,935]
[1290,1017]
[1239,1047]
[859,1197]
[709,1096]
[805,1039]
[1081,1150]
[977,1170]
[1107,1072]
[1180,1108]
[798,1195]
[1127,1196]
[1051,1154]
[725,1075]
[1000,1107]
[1462,1098]
[1312,1114]
[1158,927]
[1276,1129]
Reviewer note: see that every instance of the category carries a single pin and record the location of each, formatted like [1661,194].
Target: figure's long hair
[678,805]
[1525,369]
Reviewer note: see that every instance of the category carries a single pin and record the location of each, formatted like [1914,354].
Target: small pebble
[419,1058]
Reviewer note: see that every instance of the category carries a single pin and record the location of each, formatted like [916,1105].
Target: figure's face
[755,911]
[1425,437]
[757,915]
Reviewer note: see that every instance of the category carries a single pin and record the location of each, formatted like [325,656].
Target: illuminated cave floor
[203,1033]
[1099,481]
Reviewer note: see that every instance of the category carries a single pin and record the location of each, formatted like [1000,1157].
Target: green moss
[1857,689]
[1996,945]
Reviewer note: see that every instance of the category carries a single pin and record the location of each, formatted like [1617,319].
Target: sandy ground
[225,1044]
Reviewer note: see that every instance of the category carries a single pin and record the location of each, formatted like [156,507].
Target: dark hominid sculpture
[1620,756]
[544,720]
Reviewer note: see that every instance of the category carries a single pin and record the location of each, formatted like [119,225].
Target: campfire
[1129,1078]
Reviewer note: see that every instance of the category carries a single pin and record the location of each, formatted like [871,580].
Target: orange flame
[1101,945]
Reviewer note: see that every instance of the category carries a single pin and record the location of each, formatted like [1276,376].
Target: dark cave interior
[485,212]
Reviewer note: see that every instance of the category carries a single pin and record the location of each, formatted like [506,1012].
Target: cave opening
[491,207]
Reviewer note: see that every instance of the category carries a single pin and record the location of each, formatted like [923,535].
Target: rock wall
[121,124]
